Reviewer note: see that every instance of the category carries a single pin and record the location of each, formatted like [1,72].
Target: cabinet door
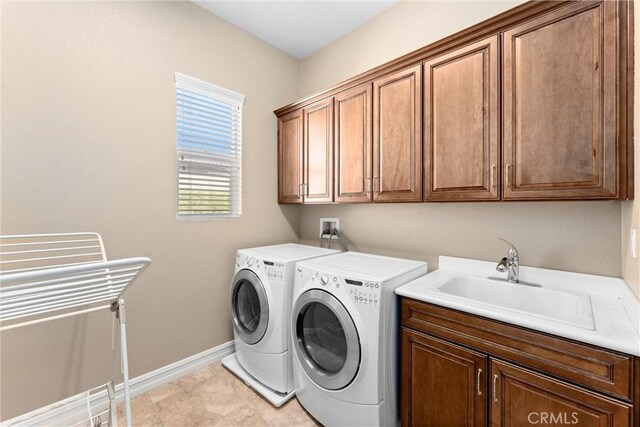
[520,397]
[559,105]
[397,146]
[290,157]
[353,145]
[442,384]
[461,148]
[318,152]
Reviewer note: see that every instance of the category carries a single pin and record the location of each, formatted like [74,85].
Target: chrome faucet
[510,263]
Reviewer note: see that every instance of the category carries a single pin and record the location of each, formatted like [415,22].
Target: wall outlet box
[328,224]
[633,242]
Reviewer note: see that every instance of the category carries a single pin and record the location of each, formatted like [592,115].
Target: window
[209,149]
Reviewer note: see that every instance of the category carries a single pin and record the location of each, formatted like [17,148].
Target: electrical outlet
[633,243]
[328,224]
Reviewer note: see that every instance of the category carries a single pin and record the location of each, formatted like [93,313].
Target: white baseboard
[73,410]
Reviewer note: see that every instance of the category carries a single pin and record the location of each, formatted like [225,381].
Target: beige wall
[88,144]
[631,209]
[578,236]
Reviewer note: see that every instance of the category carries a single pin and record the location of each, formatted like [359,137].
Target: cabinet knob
[507,175]
[478,387]
[495,386]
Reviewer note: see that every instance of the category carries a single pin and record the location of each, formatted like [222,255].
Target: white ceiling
[298,27]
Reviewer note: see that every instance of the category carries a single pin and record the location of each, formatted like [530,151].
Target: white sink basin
[571,308]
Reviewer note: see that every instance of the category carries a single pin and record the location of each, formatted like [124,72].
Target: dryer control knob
[250,262]
[324,279]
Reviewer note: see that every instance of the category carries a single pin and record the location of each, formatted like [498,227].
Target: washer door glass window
[249,307]
[327,341]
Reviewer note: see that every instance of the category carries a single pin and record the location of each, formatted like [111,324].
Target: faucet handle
[502,265]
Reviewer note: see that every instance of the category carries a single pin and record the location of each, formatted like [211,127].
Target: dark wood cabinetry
[290,176]
[447,380]
[318,152]
[353,145]
[533,104]
[559,101]
[522,377]
[522,397]
[461,118]
[397,150]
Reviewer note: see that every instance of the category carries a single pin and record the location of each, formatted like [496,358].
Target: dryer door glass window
[327,342]
[323,338]
[249,307]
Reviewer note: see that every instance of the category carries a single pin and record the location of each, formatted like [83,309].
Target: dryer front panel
[249,306]
[326,340]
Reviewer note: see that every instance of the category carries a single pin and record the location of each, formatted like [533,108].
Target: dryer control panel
[366,293]
[359,291]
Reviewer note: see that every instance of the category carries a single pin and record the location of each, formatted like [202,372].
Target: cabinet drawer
[596,368]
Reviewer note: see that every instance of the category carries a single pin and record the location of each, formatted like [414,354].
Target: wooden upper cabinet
[461,117]
[559,89]
[397,145]
[290,157]
[520,397]
[318,152]
[353,145]
[534,104]
[442,384]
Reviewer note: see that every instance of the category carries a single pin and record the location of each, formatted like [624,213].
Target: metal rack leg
[113,413]
[115,371]
[125,361]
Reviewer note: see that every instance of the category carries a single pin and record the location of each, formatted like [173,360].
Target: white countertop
[616,309]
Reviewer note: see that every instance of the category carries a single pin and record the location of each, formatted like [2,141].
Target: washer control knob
[324,279]
[250,262]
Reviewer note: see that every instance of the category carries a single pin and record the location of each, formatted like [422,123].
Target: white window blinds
[209,148]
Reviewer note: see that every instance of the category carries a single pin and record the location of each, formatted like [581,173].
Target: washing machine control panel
[273,269]
[361,292]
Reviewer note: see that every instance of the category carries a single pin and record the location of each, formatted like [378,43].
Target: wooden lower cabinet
[520,397]
[454,375]
[445,383]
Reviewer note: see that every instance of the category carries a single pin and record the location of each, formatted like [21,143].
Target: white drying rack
[44,277]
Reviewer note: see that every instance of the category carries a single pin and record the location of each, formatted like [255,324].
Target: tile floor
[211,396]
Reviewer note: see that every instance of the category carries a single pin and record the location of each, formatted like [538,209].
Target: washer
[345,333]
[261,293]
